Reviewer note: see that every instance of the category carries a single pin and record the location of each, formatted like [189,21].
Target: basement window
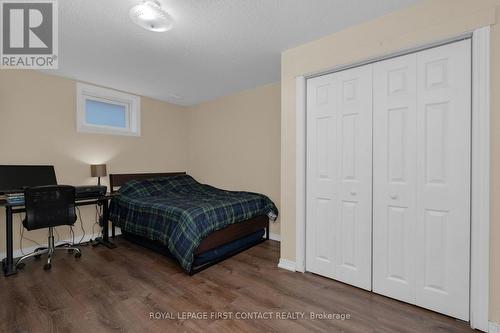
[106,111]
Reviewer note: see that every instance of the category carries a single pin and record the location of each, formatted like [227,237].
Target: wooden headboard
[118,179]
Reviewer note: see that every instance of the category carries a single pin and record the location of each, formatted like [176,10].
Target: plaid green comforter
[179,212]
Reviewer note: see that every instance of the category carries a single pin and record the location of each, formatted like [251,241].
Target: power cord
[72,233]
[58,238]
[81,225]
[21,233]
[98,216]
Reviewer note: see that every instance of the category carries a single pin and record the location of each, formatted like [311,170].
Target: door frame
[480,166]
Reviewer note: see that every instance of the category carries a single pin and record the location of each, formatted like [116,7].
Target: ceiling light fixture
[151,16]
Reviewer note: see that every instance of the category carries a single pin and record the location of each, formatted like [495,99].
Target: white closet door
[322,190]
[422,178]
[443,178]
[354,136]
[394,176]
[339,122]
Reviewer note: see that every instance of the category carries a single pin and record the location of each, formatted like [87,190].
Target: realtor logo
[29,34]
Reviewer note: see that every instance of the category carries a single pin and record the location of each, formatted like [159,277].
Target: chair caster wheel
[78,255]
[20,265]
[47,267]
[38,256]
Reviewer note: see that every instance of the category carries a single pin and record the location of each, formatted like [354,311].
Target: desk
[8,264]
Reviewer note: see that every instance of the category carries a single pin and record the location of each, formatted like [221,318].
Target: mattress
[180,212]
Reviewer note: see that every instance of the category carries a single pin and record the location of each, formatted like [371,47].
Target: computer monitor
[15,178]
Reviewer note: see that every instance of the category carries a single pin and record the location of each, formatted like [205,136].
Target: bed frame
[214,240]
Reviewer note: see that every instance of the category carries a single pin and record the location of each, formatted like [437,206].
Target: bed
[196,224]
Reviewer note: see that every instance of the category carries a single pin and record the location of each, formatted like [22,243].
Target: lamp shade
[98,170]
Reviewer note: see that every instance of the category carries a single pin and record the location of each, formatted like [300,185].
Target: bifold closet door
[421,171]
[339,183]
[394,177]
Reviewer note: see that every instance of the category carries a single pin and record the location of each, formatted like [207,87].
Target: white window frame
[131,103]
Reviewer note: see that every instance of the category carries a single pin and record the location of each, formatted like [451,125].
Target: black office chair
[48,207]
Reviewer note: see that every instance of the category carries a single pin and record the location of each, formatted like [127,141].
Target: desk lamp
[98,170]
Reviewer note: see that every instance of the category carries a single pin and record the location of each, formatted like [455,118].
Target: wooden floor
[117,290]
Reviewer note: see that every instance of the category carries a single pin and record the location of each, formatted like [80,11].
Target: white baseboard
[287,264]
[275,237]
[26,250]
[494,327]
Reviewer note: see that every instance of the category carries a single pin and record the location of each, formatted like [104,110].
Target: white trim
[391,55]
[493,327]
[287,264]
[274,237]
[130,102]
[26,250]
[300,177]
[480,185]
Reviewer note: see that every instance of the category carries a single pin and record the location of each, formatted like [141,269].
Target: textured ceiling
[217,47]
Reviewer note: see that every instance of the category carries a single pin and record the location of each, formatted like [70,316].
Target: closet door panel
[338,212]
[443,179]
[354,136]
[394,176]
[421,169]
[322,197]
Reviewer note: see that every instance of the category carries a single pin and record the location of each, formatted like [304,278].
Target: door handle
[393,196]
[353,192]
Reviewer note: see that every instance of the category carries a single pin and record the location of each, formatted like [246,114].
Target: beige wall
[424,22]
[38,126]
[218,142]
[234,142]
